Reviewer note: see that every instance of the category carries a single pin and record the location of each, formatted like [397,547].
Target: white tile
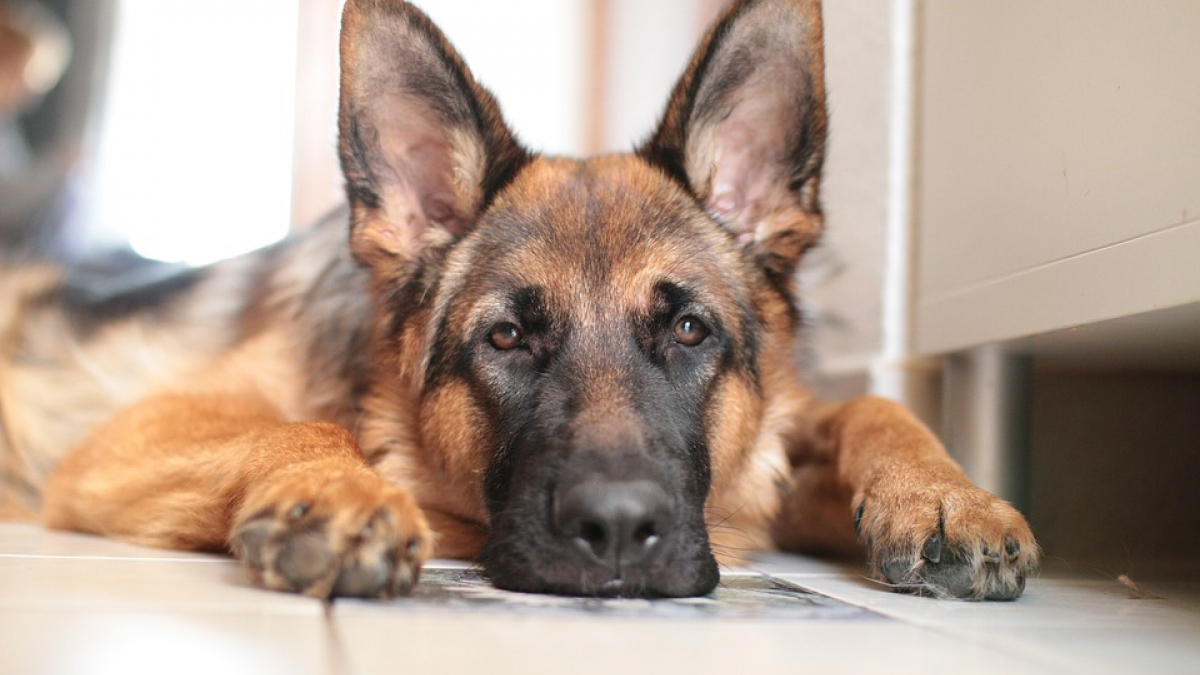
[49,642]
[388,640]
[1045,602]
[795,565]
[1081,625]
[106,584]
[1166,648]
[70,603]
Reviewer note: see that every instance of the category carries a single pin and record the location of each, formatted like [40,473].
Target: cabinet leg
[985,422]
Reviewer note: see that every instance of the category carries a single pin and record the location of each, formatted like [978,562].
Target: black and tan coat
[580,373]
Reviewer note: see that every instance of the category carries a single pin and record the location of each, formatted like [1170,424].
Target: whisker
[734,513]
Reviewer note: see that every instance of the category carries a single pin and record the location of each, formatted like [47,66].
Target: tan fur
[190,465]
[53,389]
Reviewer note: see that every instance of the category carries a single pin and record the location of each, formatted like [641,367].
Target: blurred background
[1012,192]
[199,129]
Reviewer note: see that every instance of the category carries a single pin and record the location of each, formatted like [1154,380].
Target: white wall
[206,153]
[648,47]
[846,277]
[532,55]
[195,146]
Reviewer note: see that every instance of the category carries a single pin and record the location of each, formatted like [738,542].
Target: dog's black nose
[615,523]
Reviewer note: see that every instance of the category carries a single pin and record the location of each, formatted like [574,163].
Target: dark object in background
[53,56]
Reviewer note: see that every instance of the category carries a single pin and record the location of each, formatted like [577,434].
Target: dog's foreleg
[295,502]
[868,469]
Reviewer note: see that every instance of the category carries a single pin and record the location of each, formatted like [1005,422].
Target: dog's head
[592,343]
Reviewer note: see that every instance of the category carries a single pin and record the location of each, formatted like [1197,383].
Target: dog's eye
[505,336]
[690,331]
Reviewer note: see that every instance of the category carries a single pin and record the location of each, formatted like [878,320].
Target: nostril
[594,536]
[646,534]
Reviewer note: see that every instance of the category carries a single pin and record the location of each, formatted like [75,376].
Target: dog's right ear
[745,128]
[423,146]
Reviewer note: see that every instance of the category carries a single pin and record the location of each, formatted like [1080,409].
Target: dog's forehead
[605,228]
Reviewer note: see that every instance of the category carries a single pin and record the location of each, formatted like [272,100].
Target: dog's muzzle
[602,521]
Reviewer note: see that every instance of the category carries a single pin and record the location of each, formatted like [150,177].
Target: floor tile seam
[1027,648]
[1029,651]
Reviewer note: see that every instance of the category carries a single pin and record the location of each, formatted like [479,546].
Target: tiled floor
[75,604]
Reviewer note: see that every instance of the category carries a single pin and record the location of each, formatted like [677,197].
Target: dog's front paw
[933,533]
[341,533]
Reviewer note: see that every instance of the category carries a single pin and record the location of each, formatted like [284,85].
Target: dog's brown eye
[505,336]
[690,331]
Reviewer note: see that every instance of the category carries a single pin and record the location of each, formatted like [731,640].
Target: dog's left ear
[423,146]
[744,130]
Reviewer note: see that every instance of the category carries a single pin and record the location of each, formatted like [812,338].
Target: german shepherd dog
[580,373]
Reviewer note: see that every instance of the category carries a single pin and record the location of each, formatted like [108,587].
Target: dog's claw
[990,556]
[1012,548]
[298,511]
[933,548]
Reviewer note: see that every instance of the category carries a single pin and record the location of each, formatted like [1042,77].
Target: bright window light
[195,156]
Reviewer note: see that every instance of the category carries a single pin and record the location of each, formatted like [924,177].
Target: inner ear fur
[423,146]
[744,130]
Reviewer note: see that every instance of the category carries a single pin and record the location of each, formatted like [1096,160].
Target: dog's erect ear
[423,146]
[745,127]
